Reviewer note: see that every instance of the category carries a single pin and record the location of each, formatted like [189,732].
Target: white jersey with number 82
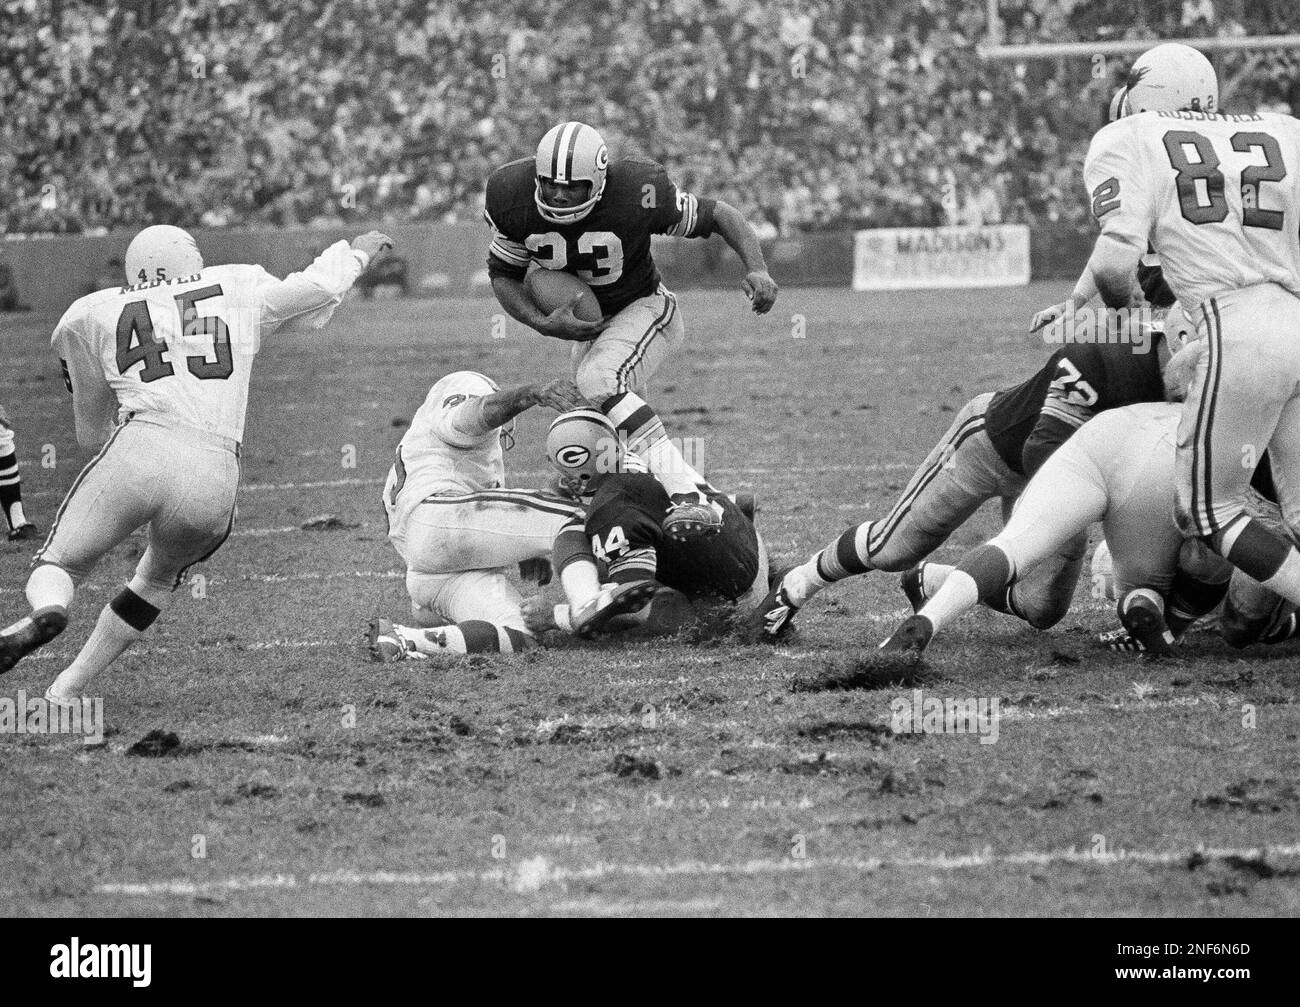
[1217,196]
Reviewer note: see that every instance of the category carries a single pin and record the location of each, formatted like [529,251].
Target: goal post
[1120,47]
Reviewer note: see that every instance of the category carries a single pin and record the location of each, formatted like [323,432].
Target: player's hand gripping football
[761,290]
[562,323]
[560,395]
[374,243]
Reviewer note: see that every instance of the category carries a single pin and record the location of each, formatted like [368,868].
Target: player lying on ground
[159,370]
[456,527]
[1218,196]
[997,441]
[1250,612]
[11,485]
[1117,469]
[571,208]
[621,545]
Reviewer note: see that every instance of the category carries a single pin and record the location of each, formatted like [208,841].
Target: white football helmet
[161,252]
[571,152]
[583,446]
[458,386]
[1171,77]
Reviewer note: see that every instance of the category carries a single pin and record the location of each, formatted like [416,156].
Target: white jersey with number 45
[181,351]
[1217,196]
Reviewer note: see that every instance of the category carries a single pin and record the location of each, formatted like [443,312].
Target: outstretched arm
[758,285]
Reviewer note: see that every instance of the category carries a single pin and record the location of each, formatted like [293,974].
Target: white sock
[958,593]
[438,640]
[804,582]
[932,577]
[1286,581]
[670,468]
[16,515]
[581,582]
[50,586]
[109,640]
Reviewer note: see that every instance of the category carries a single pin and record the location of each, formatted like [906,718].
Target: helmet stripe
[573,142]
[560,168]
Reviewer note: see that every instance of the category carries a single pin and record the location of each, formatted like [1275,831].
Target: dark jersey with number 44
[1078,381]
[625,523]
[609,249]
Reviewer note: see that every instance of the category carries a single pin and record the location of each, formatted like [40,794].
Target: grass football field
[696,776]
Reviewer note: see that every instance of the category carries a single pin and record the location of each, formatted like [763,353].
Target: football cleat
[1283,628]
[613,600]
[386,644]
[691,519]
[772,619]
[913,584]
[1121,641]
[1143,616]
[25,532]
[29,633]
[914,634]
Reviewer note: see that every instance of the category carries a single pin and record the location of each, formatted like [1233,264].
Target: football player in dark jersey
[620,544]
[996,443]
[571,208]
[11,486]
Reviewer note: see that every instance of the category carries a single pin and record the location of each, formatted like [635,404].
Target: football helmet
[1170,77]
[161,252]
[571,152]
[462,385]
[583,446]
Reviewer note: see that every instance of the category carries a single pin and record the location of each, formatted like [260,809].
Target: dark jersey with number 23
[609,249]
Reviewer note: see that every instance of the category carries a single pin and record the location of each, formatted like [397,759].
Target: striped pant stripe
[1202,447]
[527,498]
[81,476]
[881,531]
[622,375]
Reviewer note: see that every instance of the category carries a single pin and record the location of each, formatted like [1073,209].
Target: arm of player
[94,404]
[736,231]
[561,323]
[468,423]
[1122,205]
[1085,289]
[307,300]
[1049,433]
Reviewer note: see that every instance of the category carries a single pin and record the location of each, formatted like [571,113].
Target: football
[551,289]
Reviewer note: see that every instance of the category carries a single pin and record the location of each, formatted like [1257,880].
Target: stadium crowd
[806,114]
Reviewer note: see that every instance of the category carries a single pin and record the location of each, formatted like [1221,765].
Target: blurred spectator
[803,113]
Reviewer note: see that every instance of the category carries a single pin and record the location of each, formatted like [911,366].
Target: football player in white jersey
[159,370]
[1118,468]
[1218,197]
[458,529]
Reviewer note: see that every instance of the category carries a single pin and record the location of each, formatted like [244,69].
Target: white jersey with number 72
[1217,196]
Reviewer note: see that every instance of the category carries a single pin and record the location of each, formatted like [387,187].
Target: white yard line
[798,471]
[532,875]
